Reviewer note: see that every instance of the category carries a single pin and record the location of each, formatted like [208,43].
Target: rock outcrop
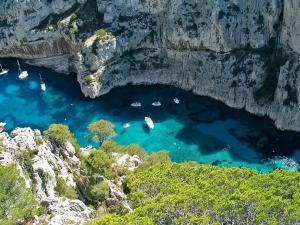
[41,163]
[243,53]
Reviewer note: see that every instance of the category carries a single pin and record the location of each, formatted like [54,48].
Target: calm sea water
[198,129]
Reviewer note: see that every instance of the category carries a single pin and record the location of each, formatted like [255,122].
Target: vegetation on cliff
[17,201]
[188,193]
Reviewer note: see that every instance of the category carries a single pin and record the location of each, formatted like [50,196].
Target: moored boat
[149,122]
[156,103]
[3,71]
[176,100]
[22,74]
[136,104]
[126,125]
[43,85]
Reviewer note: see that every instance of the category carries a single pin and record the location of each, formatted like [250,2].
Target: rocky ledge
[243,53]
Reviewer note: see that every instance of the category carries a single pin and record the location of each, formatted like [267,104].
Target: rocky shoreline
[245,54]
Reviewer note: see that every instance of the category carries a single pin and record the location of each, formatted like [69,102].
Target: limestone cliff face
[244,53]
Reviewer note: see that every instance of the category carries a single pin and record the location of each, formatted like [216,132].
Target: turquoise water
[198,129]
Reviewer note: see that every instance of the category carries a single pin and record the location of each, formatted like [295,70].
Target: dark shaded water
[197,129]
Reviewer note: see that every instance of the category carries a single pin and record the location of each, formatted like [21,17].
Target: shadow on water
[196,121]
[146,129]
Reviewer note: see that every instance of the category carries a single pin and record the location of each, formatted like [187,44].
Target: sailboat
[149,122]
[3,71]
[43,85]
[22,74]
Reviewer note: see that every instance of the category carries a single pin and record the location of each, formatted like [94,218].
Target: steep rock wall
[243,53]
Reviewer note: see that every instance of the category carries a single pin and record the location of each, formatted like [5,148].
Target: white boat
[2,126]
[176,100]
[22,74]
[43,85]
[126,125]
[136,104]
[149,122]
[3,71]
[156,103]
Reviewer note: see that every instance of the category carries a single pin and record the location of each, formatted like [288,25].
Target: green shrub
[133,149]
[59,134]
[17,201]
[101,33]
[25,159]
[99,162]
[73,17]
[88,79]
[65,190]
[99,191]
[2,148]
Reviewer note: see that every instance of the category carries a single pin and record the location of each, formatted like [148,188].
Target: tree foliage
[170,193]
[63,189]
[59,134]
[17,201]
[101,131]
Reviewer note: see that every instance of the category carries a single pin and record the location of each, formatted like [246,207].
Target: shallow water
[198,129]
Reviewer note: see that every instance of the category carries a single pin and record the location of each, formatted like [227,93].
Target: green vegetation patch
[63,189]
[88,79]
[17,201]
[2,148]
[59,134]
[187,193]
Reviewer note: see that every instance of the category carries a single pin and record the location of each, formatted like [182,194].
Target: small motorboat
[149,122]
[2,126]
[126,125]
[176,100]
[3,71]
[156,103]
[136,104]
[43,85]
[22,74]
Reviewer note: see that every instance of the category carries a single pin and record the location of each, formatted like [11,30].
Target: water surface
[197,129]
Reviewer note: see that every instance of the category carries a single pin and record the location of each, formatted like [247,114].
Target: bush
[99,192]
[88,79]
[17,201]
[101,33]
[2,148]
[59,134]
[133,149]
[25,159]
[65,190]
[99,162]
[101,131]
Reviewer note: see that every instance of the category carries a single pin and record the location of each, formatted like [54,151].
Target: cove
[198,129]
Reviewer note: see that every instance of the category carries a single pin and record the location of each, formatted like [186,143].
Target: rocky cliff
[243,53]
[43,164]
